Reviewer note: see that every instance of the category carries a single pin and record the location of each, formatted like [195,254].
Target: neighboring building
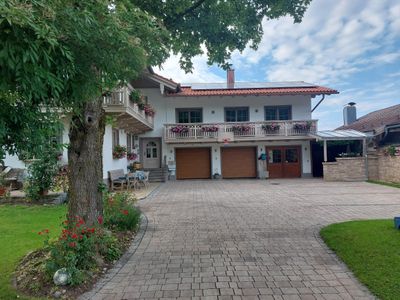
[383,124]
[234,129]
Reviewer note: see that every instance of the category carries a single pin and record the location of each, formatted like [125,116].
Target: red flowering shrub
[119,213]
[76,249]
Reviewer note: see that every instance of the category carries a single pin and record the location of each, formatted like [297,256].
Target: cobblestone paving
[245,239]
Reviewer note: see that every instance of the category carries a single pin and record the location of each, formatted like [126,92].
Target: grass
[19,227]
[371,249]
[392,184]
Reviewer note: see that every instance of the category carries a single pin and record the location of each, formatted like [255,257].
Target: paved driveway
[245,239]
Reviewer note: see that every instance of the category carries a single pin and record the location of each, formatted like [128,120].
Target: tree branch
[189,10]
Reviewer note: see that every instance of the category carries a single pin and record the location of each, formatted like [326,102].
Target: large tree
[62,55]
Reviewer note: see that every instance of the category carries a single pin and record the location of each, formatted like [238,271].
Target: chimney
[349,113]
[230,79]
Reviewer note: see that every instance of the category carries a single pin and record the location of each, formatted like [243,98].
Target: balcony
[240,131]
[127,113]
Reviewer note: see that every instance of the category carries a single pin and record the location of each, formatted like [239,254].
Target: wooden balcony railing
[119,102]
[206,132]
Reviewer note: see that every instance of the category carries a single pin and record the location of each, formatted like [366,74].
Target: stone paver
[244,239]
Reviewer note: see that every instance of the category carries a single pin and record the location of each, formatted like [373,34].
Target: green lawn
[19,227]
[371,249]
[392,184]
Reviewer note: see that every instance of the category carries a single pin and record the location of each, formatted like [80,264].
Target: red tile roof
[376,120]
[314,90]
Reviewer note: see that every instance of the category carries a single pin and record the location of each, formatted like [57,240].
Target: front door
[151,152]
[284,162]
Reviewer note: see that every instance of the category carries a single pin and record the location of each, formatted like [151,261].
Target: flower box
[209,128]
[179,129]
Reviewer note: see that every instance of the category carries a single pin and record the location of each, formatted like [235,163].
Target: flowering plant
[74,249]
[119,152]
[302,126]
[241,128]
[211,128]
[131,156]
[149,111]
[119,212]
[271,127]
[179,129]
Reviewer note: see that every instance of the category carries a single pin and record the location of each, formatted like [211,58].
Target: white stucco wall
[213,107]
[108,162]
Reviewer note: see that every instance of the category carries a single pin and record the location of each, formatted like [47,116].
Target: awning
[340,135]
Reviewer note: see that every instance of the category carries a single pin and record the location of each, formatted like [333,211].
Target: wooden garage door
[239,162]
[193,163]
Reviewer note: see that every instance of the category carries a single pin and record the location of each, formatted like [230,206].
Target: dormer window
[280,112]
[189,115]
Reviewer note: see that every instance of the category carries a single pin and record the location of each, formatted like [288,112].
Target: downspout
[319,102]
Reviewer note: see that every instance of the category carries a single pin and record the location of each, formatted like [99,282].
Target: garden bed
[31,279]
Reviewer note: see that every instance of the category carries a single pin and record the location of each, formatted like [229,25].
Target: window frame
[189,109]
[115,137]
[236,108]
[277,107]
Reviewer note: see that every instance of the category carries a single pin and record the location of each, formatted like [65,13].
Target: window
[236,114]
[130,142]
[189,115]
[151,150]
[115,138]
[278,113]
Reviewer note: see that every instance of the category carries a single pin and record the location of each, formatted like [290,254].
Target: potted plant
[135,96]
[131,156]
[273,127]
[137,165]
[211,128]
[149,111]
[302,126]
[179,129]
[119,152]
[217,176]
[241,128]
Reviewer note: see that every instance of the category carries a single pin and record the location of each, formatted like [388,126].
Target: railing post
[195,132]
[286,128]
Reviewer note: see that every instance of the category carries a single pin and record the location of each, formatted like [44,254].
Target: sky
[352,46]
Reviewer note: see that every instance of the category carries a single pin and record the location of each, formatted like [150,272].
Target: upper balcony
[127,113]
[239,131]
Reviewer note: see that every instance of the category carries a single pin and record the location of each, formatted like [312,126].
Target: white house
[232,129]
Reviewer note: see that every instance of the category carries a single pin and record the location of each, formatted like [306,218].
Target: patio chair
[132,181]
[117,179]
[143,178]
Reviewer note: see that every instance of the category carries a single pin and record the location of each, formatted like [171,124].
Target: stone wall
[380,167]
[345,169]
[388,168]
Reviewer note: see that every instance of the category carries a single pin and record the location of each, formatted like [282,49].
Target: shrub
[42,172]
[73,251]
[119,213]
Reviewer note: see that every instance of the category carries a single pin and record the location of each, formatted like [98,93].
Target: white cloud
[201,71]
[330,44]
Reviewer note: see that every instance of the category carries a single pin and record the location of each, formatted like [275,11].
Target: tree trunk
[85,162]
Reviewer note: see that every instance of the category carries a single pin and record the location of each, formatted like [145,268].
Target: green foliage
[371,250]
[18,235]
[391,184]
[391,150]
[73,251]
[42,173]
[119,212]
